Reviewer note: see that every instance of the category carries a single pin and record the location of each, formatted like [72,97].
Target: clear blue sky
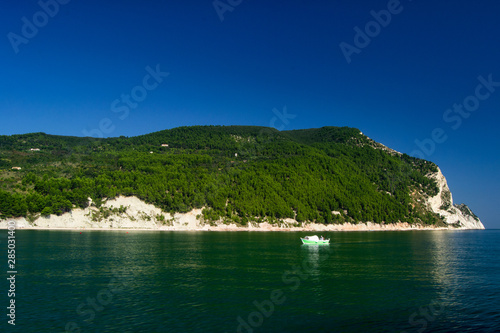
[85,67]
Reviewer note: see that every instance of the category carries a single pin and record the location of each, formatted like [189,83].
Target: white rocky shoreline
[131,213]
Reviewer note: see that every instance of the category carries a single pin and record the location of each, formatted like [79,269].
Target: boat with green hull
[315,240]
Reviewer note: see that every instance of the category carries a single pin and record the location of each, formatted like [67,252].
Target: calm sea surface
[114,281]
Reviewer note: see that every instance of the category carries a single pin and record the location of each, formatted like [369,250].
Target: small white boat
[315,240]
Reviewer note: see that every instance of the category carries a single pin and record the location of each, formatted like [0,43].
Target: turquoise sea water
[114,281]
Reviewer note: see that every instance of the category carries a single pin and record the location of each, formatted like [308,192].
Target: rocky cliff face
[460,215]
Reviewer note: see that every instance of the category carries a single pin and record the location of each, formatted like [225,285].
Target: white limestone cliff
[133,213]
[454,215]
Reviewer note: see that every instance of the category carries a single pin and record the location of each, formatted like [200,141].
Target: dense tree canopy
[238,173]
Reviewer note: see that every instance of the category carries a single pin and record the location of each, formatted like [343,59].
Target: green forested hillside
[238,173]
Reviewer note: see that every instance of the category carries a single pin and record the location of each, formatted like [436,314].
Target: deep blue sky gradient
[266,55]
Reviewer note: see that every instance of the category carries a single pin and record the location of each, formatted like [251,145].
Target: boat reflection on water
[314,255]
[314,269]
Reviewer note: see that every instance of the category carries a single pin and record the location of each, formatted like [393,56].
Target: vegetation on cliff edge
[238,173]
